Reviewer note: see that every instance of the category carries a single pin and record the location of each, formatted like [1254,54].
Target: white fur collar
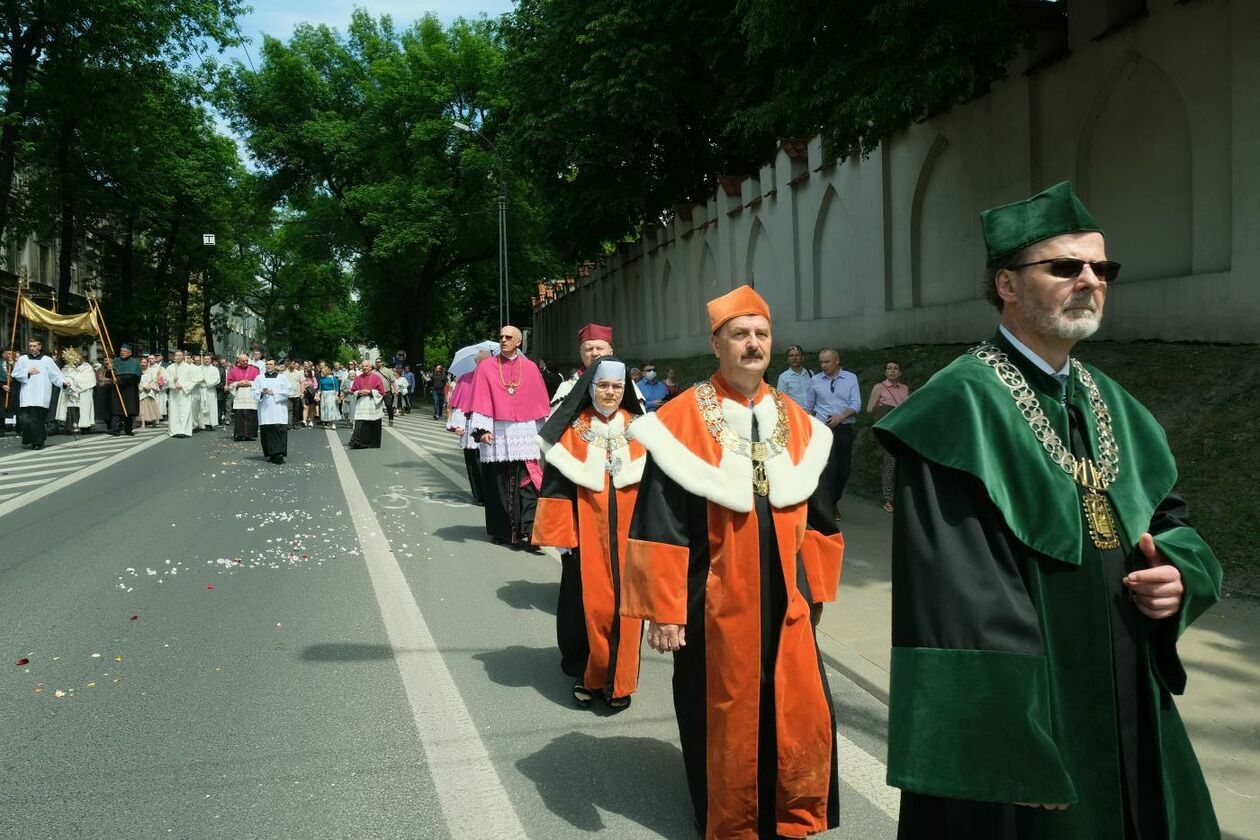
[729,484]
[590,472]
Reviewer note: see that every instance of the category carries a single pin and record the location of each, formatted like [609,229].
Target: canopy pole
[10,366]
[102,332]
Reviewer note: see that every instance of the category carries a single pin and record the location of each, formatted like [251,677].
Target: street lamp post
[504,295]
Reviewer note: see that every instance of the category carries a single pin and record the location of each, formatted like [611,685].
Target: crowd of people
[1043,565]
[191,392]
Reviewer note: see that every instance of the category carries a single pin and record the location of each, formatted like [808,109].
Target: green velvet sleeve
[1201,577]
[969,713]
[974,724]
[1200,572]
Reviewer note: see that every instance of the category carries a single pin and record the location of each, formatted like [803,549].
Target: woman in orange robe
[590,483]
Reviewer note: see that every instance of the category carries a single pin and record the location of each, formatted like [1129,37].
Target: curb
[859,670]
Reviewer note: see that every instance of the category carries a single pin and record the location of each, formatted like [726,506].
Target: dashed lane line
[470,792]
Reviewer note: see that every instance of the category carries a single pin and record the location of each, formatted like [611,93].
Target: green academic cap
[1055,211]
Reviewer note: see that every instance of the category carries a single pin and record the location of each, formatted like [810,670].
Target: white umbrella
[466,357]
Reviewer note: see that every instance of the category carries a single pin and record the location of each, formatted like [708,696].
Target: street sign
[207,239]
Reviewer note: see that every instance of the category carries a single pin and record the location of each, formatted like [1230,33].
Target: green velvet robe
[1021,670]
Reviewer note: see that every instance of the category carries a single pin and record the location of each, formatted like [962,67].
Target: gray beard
[1072,326]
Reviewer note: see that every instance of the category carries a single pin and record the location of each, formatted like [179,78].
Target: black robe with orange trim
[580,508]
[741,572]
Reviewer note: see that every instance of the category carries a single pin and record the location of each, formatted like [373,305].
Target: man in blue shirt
[654,390]
[795,380]
[411,388]
[834,398]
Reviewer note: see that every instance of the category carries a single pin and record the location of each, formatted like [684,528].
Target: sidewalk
[1221,652]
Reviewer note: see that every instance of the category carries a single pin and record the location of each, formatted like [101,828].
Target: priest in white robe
[156,361]
[209,394]
[197,391]
[272,391]
[181,380]
[38,374]
[75,410]
[84,385]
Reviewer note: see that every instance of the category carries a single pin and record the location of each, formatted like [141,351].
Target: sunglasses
[1066,268]
[506,337]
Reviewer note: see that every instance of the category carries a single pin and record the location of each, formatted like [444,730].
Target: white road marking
[66,480]
[470,792]
[66,448]
[27,470]
[866,774]
[30,482]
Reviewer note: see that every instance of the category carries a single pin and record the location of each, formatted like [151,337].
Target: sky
[278,17]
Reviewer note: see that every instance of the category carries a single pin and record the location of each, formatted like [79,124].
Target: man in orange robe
[733,549]
[590,483]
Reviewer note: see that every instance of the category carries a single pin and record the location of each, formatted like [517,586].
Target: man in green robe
[124,399]
[1043,570]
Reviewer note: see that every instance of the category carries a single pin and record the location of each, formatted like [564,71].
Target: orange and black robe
[742,571]
[581,507]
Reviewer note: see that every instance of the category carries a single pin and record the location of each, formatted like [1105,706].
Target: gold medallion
[1101,521]
[761,482]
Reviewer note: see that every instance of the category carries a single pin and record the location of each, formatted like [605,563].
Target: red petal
[209,586]
[23,661]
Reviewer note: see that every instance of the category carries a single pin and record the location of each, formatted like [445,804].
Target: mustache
[754,354]
[1081,301]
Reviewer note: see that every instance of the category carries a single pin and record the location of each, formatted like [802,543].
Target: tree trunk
[163,281]
[127,266]
[181,318]
[14,110]
[65,260]
[205,314]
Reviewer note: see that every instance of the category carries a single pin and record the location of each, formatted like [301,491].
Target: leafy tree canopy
[357,130]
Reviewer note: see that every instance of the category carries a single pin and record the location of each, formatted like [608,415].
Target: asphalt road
[223,648]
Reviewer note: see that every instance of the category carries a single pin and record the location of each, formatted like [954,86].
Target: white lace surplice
[513,440]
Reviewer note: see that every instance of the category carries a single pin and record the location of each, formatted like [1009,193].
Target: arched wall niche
[667,306]
[759,261]
[946,247]
[707,288]
[834,287]
[1140,190]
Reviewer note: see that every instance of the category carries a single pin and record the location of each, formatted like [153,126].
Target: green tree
[37,34]
[356,131]
[858,71]
[623,107]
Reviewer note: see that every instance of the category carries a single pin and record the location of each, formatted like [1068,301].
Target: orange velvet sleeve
[654,582]
[555,523]
[822,556]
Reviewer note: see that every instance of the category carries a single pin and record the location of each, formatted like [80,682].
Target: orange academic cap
[741,301]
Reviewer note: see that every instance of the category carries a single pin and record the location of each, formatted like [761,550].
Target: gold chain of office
[608,443]
[1094,477]
[759,451]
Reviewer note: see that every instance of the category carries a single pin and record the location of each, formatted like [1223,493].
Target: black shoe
[130,434]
